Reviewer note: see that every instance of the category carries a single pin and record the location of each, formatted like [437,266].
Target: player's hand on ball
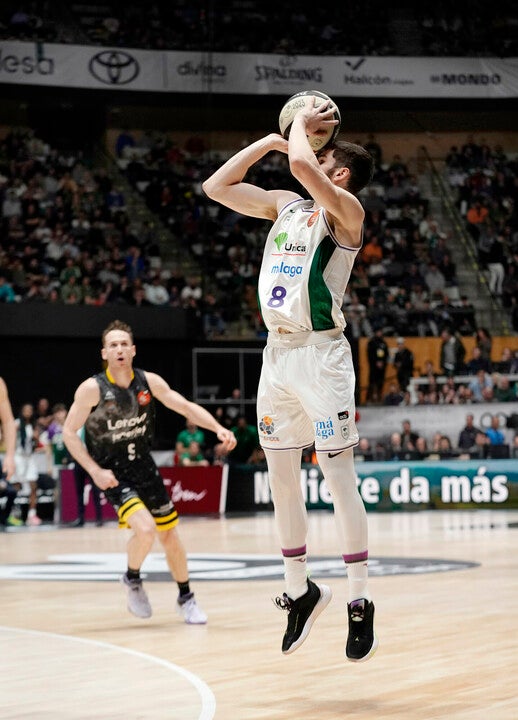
[318,119]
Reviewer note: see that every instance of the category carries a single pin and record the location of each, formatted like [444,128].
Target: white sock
[358,575]
[296,575]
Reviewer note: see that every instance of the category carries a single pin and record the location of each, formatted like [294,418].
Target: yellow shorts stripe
[167,522]
[131,506]
[127,510]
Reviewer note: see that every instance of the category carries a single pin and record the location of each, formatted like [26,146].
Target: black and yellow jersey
[121,426]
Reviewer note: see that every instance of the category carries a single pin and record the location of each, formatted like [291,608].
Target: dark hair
[359,161]
[117,325]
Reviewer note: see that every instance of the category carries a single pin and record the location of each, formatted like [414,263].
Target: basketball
[297,102]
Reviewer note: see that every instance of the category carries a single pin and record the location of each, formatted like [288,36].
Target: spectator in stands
[26,473]
[421,448]
[11,206]
[372,253]
[464,395]
[452,353]
[481,387]
[7,294]
[191,291]
[185,437]
[475,218]
[214,325]
[481,446]
[139,297]
[468,434]
[125,139]
[57,454]
[374,148]
[424,318]
[377,317]
[193,456]
[435,281]
[71,292]
[448,393]
[510,286]
[493,433]
[155,291]
[135,263]
[504,391]
[394,395]
[496,264]
[505,363]
[428,374]
[484,343]
[445,448]
[43,414]
[247,440]
[466,324]
[377,356]
[445,312]
[404,363]
[408,436]
[394,449]
[477,362]
[363,451]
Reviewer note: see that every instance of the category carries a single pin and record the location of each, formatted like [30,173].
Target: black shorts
[140,485]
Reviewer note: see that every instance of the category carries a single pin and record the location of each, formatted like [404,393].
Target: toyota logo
[114,67]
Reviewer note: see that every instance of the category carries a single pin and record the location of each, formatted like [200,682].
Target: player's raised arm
[194,412]
[226,185]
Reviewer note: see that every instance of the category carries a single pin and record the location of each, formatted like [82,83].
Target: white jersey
[304,272]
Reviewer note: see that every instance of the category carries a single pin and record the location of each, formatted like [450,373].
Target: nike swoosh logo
[332,455]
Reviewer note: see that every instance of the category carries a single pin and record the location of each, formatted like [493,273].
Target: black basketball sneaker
[362,641]
[302,613]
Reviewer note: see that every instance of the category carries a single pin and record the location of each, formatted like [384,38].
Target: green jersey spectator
[247,441]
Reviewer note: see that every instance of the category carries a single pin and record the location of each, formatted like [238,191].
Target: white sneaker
[191,613]
[138,602]
[33,520]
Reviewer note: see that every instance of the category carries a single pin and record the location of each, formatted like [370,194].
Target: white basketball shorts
[306,392]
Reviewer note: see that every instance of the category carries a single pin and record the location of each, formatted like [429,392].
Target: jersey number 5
[132,454]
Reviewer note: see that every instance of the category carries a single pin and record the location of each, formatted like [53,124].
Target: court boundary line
[207,697]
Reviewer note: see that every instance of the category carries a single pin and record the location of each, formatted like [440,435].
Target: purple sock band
[358,557]
[293,552]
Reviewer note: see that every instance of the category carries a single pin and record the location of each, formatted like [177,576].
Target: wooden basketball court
[448,647]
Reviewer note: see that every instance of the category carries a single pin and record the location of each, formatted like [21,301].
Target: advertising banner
[197,490]
[391,486]
[94,67]
[194,490]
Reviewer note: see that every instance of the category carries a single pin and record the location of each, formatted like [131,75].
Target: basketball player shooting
[306,388]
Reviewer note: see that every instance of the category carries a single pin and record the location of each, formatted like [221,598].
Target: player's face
[329,166]
[118,350]
[326,161]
